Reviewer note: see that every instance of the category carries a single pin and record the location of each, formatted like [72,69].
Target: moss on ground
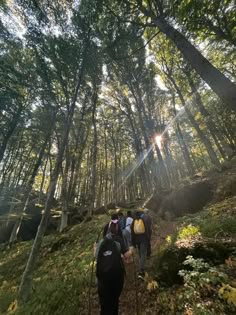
[61,278]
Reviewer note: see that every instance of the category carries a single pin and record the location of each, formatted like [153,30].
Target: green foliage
[48,296]
[216,227]
[200,282]
[228,293]
[61,279]
[188,231]
[214,20]
[218,220]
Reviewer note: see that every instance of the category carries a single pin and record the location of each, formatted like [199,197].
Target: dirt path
[135,298]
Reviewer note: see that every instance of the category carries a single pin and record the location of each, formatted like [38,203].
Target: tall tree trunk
[220,84]
[145,135]
[92,190]
[106,169]
[215,133]
[43,180]
[29,187]
[10,131]
[25,285]
[163,170]
[64,193]
[138,146]
[212,155]
[183,145]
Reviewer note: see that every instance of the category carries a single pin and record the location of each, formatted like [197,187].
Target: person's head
[113,226]
[139,212]
[114,216]
[129,214]
[120,214]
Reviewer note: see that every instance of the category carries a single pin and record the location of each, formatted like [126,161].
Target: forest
[116,103]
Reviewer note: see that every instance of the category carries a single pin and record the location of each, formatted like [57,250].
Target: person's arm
[125,252]
[124,249]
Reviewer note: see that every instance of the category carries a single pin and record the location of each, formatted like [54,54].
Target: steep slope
[63,283]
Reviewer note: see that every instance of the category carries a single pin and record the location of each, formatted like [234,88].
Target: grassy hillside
[62,274]
[62,278]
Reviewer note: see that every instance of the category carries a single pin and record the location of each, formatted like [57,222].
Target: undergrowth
[61,279]
[202,288]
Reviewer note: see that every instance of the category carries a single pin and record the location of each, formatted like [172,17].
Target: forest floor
[62,279]
[135,297]
[148,297]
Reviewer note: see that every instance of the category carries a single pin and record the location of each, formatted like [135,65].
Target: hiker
[149,223]
[110,270]
[114,216]
[122,220]
[127,230]
[140,236]
[122,224]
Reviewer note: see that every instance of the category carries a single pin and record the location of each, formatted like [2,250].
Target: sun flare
[158,140]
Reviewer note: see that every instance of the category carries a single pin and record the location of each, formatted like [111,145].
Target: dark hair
[113,228]
[114,216]
[120,214]
[129,213]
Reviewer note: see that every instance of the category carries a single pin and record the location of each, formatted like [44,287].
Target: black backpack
[109,261]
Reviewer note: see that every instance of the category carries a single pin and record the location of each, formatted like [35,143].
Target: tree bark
[220,84]
[215,133]
[92,190]
[10,131]
[64,193]
[17,225]
[211,153]
[183,145]
[25,285]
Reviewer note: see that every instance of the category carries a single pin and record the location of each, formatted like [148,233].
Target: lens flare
[158,140]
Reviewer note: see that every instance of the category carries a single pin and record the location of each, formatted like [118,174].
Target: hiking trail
[135,298]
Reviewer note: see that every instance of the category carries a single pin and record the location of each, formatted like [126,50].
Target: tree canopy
[107,101]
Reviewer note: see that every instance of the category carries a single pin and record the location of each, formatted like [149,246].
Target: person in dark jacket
[141,239]
[109,289]
[114,216]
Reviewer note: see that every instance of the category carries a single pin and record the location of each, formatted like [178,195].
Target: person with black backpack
[140,237]
[114,217]
[110,269]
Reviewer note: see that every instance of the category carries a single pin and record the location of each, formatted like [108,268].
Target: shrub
[200,283]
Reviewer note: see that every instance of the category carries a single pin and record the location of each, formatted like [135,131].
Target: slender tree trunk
[25,285]
[184,150]
[106,169]
[17,225]
[43,180]
[138,146]
[215,133]
[163,170]
[10,131]
[150,156]
[92,193]
[220,84]
[212,155]
[183,145]
[64,193]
